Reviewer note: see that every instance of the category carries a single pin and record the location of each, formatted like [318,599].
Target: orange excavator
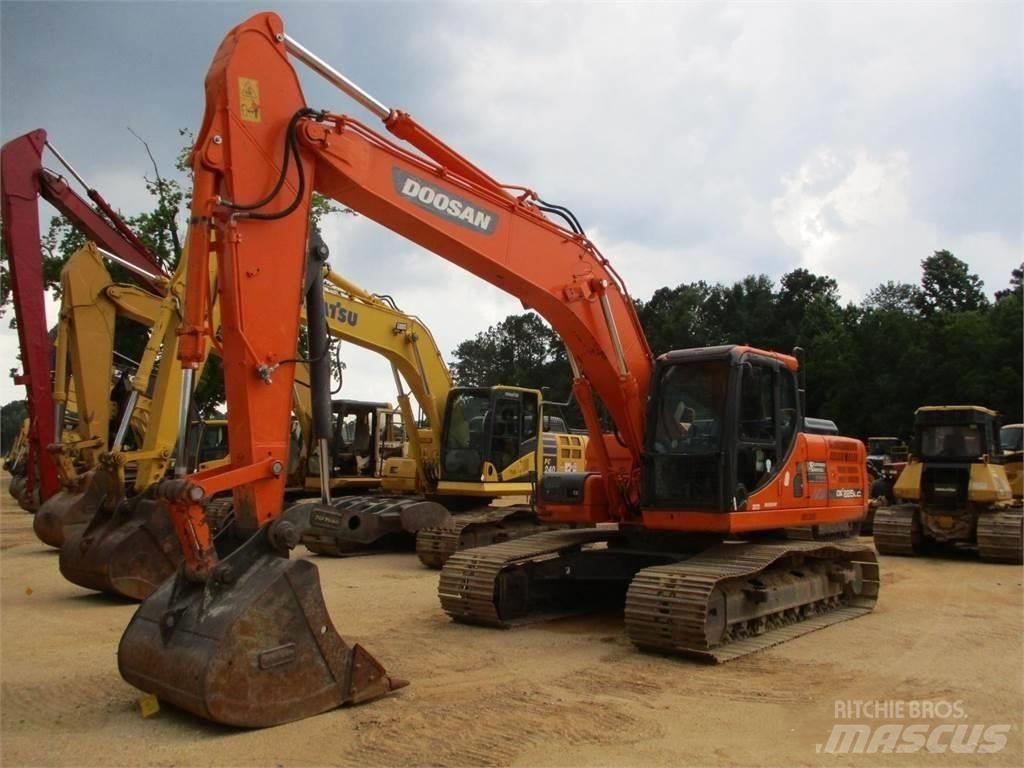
[708,461]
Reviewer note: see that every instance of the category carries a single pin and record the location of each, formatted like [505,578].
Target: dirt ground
[572,693]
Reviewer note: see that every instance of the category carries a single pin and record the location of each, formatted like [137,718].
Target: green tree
[11,416]
[948,285]
[893,296]
[521,350]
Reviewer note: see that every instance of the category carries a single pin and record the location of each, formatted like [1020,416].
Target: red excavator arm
[25,180]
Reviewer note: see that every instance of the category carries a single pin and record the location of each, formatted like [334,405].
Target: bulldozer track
[897,530]
[468,580]
[478,529]
[1000,536]
[669,607]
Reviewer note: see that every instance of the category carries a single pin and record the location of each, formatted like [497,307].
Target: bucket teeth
[253,650]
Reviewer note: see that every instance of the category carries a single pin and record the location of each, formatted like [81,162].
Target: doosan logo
[444,203]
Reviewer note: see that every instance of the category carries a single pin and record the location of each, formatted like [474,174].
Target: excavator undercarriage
[715,602]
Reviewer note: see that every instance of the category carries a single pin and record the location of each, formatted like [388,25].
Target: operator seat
[361,443]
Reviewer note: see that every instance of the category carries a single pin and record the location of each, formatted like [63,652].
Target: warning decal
[249,99]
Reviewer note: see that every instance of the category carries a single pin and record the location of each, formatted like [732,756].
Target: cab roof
[733,352]
[978,408]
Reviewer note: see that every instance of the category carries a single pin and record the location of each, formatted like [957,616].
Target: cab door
[757,437]
[769,461]
[512,434]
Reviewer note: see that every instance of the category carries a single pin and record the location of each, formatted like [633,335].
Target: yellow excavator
[469,446]
[115,538]
[112,531]
[91,304]
[17,460]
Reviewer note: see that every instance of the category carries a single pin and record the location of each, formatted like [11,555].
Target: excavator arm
[259,156]
[90,306]
[25,181]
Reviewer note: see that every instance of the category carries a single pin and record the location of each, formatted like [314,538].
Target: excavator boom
[25,181]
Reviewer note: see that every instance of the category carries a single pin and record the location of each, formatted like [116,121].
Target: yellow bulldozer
[954,492]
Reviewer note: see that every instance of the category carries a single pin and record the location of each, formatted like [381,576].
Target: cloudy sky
[693,141]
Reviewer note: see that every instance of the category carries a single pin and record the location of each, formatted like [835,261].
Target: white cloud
[851,217]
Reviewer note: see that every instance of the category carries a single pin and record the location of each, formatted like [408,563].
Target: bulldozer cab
[1011,438]
[956,459]
[885,450]
[955,433]
[490,435]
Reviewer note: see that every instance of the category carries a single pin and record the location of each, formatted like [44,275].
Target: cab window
[757,453]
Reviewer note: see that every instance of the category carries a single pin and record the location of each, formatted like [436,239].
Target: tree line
[941,341]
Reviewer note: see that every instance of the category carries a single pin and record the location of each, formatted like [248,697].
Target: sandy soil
[571,693]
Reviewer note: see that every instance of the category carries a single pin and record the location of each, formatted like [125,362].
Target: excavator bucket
[252,646]
[129,548]
[17,486]
[68,508]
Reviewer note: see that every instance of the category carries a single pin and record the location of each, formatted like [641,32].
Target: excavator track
[478,529]
[735,599]
[1001,536]
[897,530]
[826,532]
[363,525]
[471,588]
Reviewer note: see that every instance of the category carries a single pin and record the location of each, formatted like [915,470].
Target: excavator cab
[361,441]
[490,435]
[721,424]
[211,443]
